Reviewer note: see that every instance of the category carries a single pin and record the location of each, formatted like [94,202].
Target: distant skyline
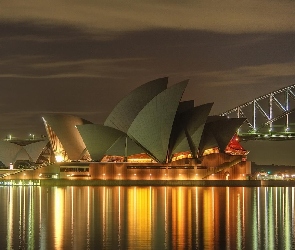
[82,58]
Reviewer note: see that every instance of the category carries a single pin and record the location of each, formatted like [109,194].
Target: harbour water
[93,217]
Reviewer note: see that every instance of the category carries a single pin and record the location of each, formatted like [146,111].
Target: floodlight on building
[59,158]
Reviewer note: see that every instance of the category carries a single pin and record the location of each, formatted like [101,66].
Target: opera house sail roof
[188,129]
[98,139]
[152,126]
[12,150]
[65,139]
[150,120]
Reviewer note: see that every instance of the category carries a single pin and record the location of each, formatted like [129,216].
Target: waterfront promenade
[187,183]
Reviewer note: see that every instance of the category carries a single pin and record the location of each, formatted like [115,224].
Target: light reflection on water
[147,218]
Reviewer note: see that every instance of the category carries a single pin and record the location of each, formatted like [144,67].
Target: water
[147,218]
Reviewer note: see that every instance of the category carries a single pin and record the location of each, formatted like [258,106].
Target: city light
[59,158]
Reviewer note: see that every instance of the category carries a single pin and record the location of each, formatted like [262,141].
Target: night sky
[83,57]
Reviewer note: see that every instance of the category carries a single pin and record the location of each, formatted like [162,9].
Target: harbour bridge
[268,117]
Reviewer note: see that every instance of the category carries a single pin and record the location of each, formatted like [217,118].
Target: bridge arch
[269,117]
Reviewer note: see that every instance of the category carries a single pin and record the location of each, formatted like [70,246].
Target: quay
[184,183]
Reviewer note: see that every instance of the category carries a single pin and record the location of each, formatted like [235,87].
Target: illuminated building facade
[150,134]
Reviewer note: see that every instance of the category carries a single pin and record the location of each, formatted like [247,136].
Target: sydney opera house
[151,134]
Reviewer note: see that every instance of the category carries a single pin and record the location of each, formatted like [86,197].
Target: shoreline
[185,183]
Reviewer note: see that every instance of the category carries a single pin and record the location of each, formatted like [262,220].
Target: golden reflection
[293,214]
[270,217]
[119,217]
[258,219]
[208,218]
[43,231]
[139,217]
[187,211]
[227,216]
[22,215]
[266,216]
[243,216]
[197,218]
[72,215]
[104,217]
[10,219]
[276,212]
[150,206]
[88,217]
[174,212]
[148,218]
[31,219]
[239,224]
[181,217]
[166,218]
[255,219]
[59,217]
[287,220]
[179,213]
[109,206]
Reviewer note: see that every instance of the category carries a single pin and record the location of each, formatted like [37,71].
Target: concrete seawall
[189,183]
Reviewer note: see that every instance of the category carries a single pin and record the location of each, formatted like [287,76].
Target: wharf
[186,183]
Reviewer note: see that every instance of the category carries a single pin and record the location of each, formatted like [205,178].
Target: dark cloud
[120,16]
[32,50]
